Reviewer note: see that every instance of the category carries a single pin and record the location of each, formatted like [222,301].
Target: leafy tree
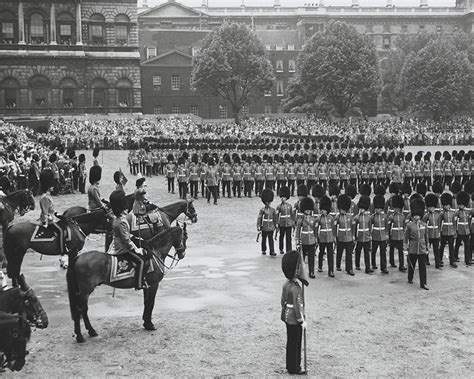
[233,65]
[338,66]
[437,79]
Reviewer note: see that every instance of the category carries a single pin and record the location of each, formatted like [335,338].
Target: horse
[90,269]
[21,236]
[24,302]
[14,334]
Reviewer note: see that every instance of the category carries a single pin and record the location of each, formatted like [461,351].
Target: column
[78,24]
[21,24]
[52,26]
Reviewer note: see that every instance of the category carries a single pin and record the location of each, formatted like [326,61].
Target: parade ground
[218,312]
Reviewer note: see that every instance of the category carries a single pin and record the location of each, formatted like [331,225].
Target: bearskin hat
[431,200]
[416,195]
[139,182]
[289,263]
[446,199]
[408,157]
[210,161]
[417,157]
[455,187]
[394,188]
[53,158]
[463,198]
[417,207]
[82,158]
[118,202]
[170,158]
[397,201]
[95,152]
[334,190]
[285,192]
[267,196]
[437,157]
[302,190]
[180,160]
[306,204]
[364,202]
[318,191]
[46,180]
[95,174]
[117,177]
[405,189]
[437,187]
[325,204]
[469,186]
[379,202]
[379,190]
[421,189]
[195,158]
[344,203]
[365,189]
[351,191]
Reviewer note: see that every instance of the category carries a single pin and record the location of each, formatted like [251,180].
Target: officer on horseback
[123,244]
[93,194]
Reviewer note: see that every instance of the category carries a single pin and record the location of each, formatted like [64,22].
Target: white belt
[284,216]
[344,230]
[463,223]
[290,306]
[447,223]
[431,227]
[397,228]
[325,230]
[363,230]
[377,228]
[267,220]
[308,232]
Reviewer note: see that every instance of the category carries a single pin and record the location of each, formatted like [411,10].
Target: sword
[258,236]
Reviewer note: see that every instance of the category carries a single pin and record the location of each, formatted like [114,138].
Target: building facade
[69,56]
[171,33]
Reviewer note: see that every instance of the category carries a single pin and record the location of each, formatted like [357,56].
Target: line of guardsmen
[247,174]
[336,223]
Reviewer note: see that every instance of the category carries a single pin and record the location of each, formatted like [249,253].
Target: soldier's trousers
[463,239]
[226,187]
[309,251]
[171,185]
[448,180]
[280,183]
[269,236]
[285,231]
[258,187]
[353,181]
[270,184]
[194,188]
[237,188]
[412,259]
[449,240]
[358,249]
[346,247]
[293,348]
[183,189]
[329,248]
[310,184]
[434,242]
[248,188]
[203,188]
[291,186]
[212,190]
[383,254]
[397,244]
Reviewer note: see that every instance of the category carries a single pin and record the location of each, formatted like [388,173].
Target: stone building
[69,56]
[171,33]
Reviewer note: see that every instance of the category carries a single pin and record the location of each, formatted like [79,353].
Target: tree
[338,66]
[437,79]
[233,65]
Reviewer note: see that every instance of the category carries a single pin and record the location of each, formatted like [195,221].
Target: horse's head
[23,200]
[14,342]
[35,314]
[180,242]
[190,211]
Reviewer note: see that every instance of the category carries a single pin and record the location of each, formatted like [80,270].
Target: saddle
[151,220]
[50,233]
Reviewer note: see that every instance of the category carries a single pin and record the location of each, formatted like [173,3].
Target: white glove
[304,325]
[139,251]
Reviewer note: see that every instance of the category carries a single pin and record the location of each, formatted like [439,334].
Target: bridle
[37,310]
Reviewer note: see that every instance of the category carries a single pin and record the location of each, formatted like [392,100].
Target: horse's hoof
[149,326]
[80,338]
[93,333]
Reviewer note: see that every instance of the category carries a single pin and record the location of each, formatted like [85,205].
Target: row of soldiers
[250,174]
[331,220]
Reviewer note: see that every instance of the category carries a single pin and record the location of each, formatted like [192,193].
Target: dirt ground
[218,312]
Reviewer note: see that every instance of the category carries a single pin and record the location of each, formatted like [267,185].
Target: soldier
[363,233]
[285,219]
[379,234]
[463,219]
[170,173]
[226,175]
[432,221]
[322,170]
[344,236]
[334,193]
[427,169]
[343,173]
[202,177]
[396,226]
[248,179]
[312,175]
[326,232]
[212,181]
[237,178]
[259,177]
[300,172]
[194,177]
[270,175]
[437,168]
[291,175]
[267,222]
[306,232]
[93,193]
[183,177]
[448,229]
[416,241]
[281,175]
[82,173]
[407,169]
[447,169]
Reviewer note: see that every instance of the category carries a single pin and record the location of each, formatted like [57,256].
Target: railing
[49,111]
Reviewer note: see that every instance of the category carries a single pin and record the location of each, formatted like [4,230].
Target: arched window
[37,29]
[99,93]
[65,28]
[97,29]
[122,24]
[68,92]
[124,93]
[39,91]
[8,29]
[10,92]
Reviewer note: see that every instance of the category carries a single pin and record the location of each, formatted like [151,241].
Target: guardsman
[380,171]
[270,175]
[379,234]
[300,173]
[447,169]
[396,175]
[432,221]
[396,231]
[323,173]
[333,194]
[281,175]
[438,190]
[407,169]
[226,175]
[353,172]
[448,228]
[466,169]
[372,171]
[418,170]
[344,234]
[427,170]
[259,177]
[212,180]
[437,168]
[306,232]
[267,222]
[135,161]
[170,173]
[285,221]
[458,168]
[183,178]
[343,173]
[416,242]
[463,220]
[237,178]
[326,233]
[202,178]
[405,191]
[194,177]
[93,193]
[248,179]
[363,233]
[318,192]
[312,175]
[333,172]
[291,175]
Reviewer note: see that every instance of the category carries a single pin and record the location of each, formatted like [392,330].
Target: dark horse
[93,268]
[14,334]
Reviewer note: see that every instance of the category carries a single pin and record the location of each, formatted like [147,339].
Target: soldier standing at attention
[183,176]
[170,173]
[432,221]
[285,219]
[416,242]
[212,181]
[259,177]
[379,234]
[344,236]
[363,233]
[396,227]
[463,219]
[93,193]
[448,228]
[248,179]
[306,232]
[194,178]
[267,222]
[326,232]
[237,178]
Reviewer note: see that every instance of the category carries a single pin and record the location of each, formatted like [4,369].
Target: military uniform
[363,233]
[170,175]
[396,231]
[267,222]
[194,180]
[237,181]
[448,229]
[432,221]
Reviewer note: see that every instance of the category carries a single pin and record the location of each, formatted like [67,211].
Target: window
[10,88]
[245,110]
[222,111]
[268,92]
[404,28]
[99,88]
[291,47]
[291,65]
[8,23]
[39,87]
[97,29]
[65,26]
[279,66]
[194,110]
[268,47]
[421,28]
[121,29]
[280,91]
[157,82]
[68,92]
[386,42]
[175,109]
[124,88]
[456,28]
[386,28]
[279,47]
[158,109]
[369,29]
[175,83]
[36,29]
[7,32]
[439,28]
[150,52]
[268,109]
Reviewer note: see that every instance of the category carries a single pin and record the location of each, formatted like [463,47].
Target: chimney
[355,3]
[243,4]
[277,3]
[204,4]
[389,4]
[423,3]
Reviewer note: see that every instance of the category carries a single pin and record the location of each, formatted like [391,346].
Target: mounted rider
[93,193]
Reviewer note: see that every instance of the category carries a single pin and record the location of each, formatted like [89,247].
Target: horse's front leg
[149,295]
[85,317]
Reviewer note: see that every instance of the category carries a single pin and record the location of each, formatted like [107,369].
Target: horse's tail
[73,288]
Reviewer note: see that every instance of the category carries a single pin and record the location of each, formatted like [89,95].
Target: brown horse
[94,268]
